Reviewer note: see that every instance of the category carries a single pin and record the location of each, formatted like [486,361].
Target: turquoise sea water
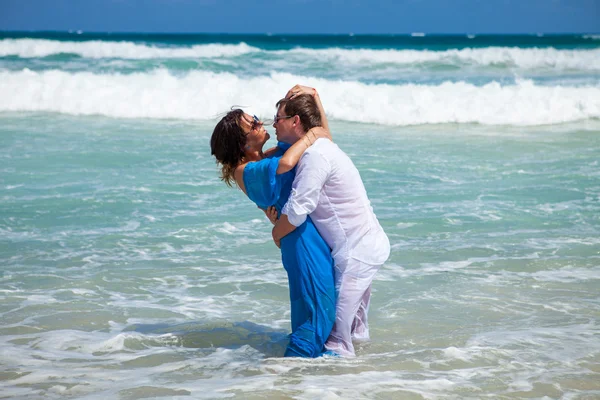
[130,271]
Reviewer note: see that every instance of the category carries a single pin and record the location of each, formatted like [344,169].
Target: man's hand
[271,213]
[277,242]
[281,229]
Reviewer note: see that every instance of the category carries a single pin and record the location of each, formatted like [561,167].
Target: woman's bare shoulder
[238,174]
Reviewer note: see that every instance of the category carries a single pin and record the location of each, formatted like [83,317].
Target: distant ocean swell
[193,78]
[525,58]
[204,95]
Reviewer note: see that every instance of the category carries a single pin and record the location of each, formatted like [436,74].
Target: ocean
[130,271]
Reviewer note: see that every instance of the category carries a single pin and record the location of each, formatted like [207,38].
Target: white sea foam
[534,58]
[526,58]
[32,48]
[205,95]
[464,354]
[567,274]
[404,225]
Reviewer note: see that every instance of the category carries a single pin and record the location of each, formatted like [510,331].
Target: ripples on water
[130,271]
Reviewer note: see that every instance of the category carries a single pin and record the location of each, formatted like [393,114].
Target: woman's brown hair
[227,144]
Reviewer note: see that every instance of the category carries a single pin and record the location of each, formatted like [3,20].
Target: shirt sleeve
[262,183]
[311,174]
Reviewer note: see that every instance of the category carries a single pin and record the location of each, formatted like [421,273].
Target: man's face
[284,126]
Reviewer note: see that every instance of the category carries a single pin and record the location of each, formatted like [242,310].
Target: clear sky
[304,16]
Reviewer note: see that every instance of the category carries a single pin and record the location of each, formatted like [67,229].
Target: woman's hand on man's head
[298,90]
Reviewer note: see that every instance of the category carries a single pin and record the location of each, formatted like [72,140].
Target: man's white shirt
[329,188]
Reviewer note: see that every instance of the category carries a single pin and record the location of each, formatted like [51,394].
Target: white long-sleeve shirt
[329,188]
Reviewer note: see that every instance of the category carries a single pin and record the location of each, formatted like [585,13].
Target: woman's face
[256,134]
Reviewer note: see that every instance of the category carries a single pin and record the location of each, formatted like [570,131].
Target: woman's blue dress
[306,258]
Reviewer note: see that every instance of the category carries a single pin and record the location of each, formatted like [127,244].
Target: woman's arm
[324,121]
[291,157]
[299,89]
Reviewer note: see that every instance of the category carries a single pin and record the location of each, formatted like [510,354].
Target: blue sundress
[306,258]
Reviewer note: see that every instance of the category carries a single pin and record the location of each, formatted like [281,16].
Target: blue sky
[304,16]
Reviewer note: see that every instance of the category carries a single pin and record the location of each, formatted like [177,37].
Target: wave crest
[507,57]
[204,95]
[545,58]
[32,48]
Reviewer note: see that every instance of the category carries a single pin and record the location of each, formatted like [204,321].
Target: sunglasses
[276,118]
[255,122]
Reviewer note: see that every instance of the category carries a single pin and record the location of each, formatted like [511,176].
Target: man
[329,188]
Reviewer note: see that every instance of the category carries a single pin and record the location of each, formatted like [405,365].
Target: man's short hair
[305,107]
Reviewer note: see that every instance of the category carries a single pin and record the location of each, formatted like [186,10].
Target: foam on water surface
[99,301]
[206,95]
[129,270]
[525,58]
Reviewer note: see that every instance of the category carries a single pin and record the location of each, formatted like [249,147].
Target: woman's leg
[312,291]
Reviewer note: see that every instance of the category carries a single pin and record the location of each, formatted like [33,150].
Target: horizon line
[411,34]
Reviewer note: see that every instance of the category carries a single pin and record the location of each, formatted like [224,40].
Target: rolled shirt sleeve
[311,174]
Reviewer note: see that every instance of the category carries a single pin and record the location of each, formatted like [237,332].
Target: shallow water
[130,271]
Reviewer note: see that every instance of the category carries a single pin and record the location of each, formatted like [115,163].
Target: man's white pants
[353,286]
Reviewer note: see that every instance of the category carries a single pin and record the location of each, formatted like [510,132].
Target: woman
[266,178]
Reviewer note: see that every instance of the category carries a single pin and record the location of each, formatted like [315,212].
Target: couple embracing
[331,241]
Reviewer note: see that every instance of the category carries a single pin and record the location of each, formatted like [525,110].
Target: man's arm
[281,229]
[311,175]
[271,151]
